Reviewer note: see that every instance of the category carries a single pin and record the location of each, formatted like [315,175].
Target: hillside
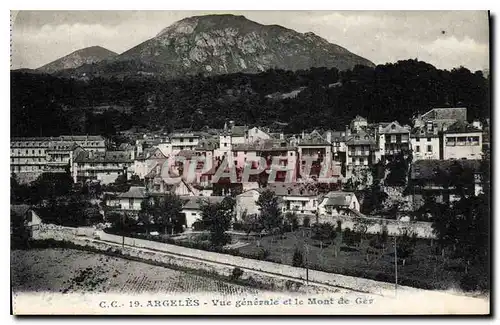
[224,44]
[328,98]
[88,55]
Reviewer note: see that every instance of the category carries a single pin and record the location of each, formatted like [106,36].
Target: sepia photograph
[250,162]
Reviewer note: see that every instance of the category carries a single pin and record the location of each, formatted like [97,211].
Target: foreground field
[67,271]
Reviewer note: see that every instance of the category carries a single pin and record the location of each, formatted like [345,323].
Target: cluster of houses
[436,137]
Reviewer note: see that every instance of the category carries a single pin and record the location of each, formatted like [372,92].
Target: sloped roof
[359,119]
[312,139]
[195,202]
[338,198]
[104,157]
[82,138]
[136,192]
[422,132]
[360,138]
[446,113]
[62,145]
[426,169]
[462,127]
[188,154]
[238,131]
[394,127]
[19,209]
[263,145]
[292,189]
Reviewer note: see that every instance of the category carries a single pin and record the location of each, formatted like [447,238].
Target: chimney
[347,131]
[303,134]
[329,136]
[282,136]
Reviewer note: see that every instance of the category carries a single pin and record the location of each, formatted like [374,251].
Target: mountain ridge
[224,44]
[75,59]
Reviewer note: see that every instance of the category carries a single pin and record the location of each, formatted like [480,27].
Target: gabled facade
[392,139]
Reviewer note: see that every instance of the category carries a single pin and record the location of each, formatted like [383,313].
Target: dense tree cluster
[49,105]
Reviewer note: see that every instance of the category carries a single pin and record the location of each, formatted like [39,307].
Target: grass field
[68,270]
[424,267]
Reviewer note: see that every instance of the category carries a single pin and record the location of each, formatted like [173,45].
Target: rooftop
[135,192]
[446,113]
[104,157]
[462,127]
[426,169]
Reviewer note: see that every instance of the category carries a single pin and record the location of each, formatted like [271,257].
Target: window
[393,138]
[33,152]
[181,140]
[417,149]
[235,154]
[291,153]
[429,139]
[193,213]
[429,148]
[225,144]
[131,202]
[303,204]
[361,161]
[190,140]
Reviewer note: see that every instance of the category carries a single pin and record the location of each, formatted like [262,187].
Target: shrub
[298,259]
[306,222]
[237,273]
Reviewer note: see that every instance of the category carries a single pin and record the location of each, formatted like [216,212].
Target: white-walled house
[245,203]
[255,134]
[192,207]
[338,203]
[425,142]
[462,141]
[132,199]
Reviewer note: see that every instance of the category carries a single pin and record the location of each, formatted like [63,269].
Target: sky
[445,39]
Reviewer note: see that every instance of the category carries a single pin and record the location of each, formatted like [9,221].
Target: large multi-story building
[32,156]
[462,141]
[360,151]
[102,166]
[183,141]
[392,139]
[425,142]
[316,148]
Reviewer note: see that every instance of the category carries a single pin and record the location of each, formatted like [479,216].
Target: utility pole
[395,267]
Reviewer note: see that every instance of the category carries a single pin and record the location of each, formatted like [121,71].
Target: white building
[392,139]
[425,142]
[183,141]
[462,141]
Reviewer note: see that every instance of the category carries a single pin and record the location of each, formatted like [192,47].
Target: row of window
[19,152]
[418,139]
[429,148]
[462,141]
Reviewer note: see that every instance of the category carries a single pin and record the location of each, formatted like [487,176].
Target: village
[325,199]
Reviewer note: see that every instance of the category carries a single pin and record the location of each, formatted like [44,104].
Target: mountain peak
[87,55]
[223,44]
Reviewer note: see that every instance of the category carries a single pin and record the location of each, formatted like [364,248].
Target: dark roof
[337,198]
[462,127]
[263,145]
[19,209]
[359,119]
[135,192]
[294,189]
[108,157]
[238,131]
[422,132]
[195,202]
[394,127]
[336,135]
[62,146]
[187,153]
[360,138]
[426,169]
[313,139]
[82,138]
[446,113]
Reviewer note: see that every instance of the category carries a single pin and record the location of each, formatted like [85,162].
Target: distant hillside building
[392,139]
[462,141]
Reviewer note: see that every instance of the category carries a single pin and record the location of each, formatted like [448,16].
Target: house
[147,160]
[425,142]
[183,141]
[132,199]
[246,204]
[431,179]
[442,118]
[360,151]
[462,140]
[392,139]
[296,197]
[26,213]
[102,166]
[337,203]
[358,123]
[192,207]
[314,147]
[255,134]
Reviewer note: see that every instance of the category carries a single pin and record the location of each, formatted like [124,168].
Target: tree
[147,214]
[270,212]
[50,185]
[405,244]
[298,258]
[291,221]
[168,214]
[323,232]
[374,197]
[217,219]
